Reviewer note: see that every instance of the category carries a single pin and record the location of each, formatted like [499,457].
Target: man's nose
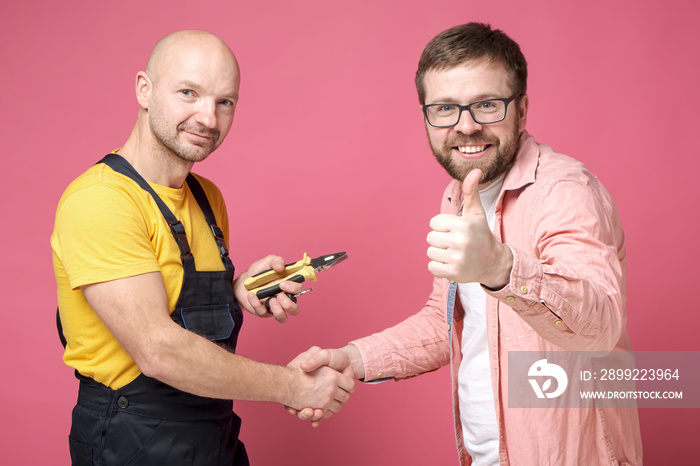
[206,114]
[467,124]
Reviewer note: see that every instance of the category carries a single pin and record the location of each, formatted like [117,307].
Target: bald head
[181,48]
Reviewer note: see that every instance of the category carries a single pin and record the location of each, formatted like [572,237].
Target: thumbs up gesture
[463,249]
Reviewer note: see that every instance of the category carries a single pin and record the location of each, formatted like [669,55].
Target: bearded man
[528,254]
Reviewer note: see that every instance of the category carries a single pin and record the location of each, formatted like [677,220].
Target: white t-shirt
[476,405]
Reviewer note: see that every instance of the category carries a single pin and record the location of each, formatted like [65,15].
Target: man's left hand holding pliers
[281,305]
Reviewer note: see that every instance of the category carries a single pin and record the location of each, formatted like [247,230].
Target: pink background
[328,153]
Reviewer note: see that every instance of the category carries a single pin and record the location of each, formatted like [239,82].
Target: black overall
[148,422]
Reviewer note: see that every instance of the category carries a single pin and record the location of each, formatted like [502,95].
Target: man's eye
[186,92]
[446,108]
[226,103]
[489,106]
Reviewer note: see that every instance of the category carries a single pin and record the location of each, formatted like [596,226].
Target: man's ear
[523,105]
[144,87]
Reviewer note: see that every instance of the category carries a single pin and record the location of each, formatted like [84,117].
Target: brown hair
[472,41]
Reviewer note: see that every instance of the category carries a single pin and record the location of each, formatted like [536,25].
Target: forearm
[195,365]
[417,345]
[200,367]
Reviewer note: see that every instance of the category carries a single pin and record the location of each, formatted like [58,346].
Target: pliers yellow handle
[266,284]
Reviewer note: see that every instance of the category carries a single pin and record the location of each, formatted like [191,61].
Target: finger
[438,254]
[262,265]
[277,311]
[288,306]
[347,385]
[321,358]
[257,306]
[444,222]
[291,287]
[349,372]
[439,269]
[318,415]
[470,191]
[276,263]
[303,356]
[439,239]
[341,396]
[333,407]
[307,414]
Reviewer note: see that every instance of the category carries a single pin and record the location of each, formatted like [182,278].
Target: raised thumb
[470,191]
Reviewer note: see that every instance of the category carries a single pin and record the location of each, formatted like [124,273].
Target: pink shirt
[566,291]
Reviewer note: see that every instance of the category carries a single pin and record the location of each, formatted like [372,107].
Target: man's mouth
[200,133]
[471,149]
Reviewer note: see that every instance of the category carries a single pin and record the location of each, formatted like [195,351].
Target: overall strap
[59,327]
[120,165]
[201,197]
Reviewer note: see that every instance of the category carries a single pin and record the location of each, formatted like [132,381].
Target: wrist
[500,273]
[356,362]
[288,386]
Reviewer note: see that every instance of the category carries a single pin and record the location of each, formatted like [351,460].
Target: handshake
[326,378]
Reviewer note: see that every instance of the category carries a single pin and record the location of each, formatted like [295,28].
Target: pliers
[266,284]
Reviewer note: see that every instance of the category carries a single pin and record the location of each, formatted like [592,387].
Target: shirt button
[122,402]
[448,327]
[523,289]
[558,322]
[379,375]
[510,299]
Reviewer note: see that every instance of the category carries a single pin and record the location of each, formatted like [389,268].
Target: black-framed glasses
[484,112]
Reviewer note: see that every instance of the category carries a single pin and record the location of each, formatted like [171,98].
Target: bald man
[149,310]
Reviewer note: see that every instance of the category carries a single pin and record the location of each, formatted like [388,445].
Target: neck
[155,163]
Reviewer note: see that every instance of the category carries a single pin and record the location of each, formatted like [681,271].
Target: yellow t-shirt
[107,227]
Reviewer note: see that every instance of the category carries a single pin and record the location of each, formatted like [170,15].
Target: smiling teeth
[471,149]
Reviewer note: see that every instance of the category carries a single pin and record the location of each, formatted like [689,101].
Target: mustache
[475,139]
[199,129]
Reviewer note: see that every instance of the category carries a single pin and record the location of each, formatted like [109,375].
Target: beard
[169,140]
[491,167]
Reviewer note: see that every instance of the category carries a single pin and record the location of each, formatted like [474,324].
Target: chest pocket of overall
[207,306]
[212,322]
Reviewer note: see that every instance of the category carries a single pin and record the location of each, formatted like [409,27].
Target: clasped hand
[346,362]
[327,384]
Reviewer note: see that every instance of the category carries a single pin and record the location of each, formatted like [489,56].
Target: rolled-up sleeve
[417,345]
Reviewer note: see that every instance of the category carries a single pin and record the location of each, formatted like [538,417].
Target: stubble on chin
[168,143]
[491,168]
